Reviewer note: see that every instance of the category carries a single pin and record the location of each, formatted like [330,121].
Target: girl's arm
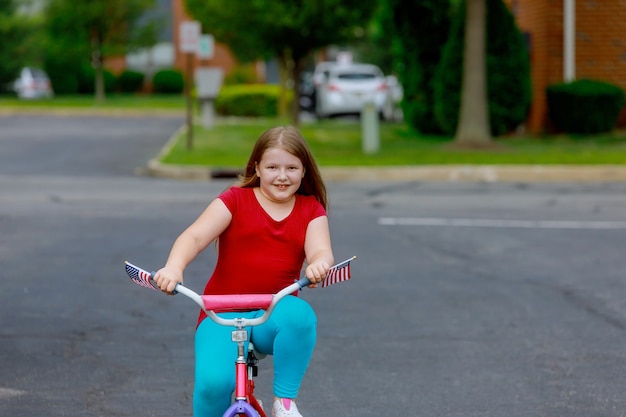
[318,250]
[211,223]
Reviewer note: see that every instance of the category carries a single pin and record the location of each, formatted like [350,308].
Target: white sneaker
[285,408]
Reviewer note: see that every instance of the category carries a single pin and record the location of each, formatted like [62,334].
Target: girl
[266,227]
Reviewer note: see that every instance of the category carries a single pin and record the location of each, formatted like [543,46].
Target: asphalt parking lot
[467,298]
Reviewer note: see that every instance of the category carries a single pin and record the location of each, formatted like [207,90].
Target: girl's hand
[316,272]
[167,279]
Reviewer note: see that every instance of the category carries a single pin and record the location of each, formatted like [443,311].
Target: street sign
[189,36]
[206,47]
[344,58]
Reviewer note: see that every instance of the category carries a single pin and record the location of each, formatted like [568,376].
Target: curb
[454,173]
[483,173]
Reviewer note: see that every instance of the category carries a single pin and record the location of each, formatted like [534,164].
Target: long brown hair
[289,139]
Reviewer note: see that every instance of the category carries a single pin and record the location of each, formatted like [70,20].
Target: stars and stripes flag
[338,273]
[140,276]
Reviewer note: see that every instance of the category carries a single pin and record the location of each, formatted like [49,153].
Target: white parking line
[8,393]
[521,224]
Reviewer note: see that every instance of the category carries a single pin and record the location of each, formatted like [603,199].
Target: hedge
[258,100]
[130,81]
[168,81]
[584,106]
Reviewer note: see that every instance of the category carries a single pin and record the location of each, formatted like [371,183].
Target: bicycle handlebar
[267,302]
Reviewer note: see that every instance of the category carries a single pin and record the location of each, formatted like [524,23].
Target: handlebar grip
[304,282]
[156,287]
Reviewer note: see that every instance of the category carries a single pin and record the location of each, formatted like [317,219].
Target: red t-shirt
[257,254]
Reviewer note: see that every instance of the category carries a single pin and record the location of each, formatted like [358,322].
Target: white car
[33,83]
[346,88]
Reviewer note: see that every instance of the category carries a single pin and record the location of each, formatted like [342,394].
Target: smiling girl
[267,227]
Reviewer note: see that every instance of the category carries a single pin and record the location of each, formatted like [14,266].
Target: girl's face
[280,174]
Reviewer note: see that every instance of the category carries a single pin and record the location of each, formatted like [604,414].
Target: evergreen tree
[420,30]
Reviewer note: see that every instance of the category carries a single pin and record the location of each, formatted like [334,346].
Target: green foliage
[63,77]
[241,74]
[248,100]
[67,51]
[289,31]
[86,80]
[168,81]
[585,106]
[266,28]
[130,81]
[14,35]
[508,72]
[78,31]
[420,30]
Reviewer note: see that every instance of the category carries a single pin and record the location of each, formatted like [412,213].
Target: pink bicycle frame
[245,403]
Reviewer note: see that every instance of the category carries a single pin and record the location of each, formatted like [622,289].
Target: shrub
[168,81]
[87,80]
[248,100]
[242,74]
[507,66]
[63,81]
[130,81]
[584,106]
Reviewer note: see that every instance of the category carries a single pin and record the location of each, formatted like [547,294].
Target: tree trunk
[295,103]
[286,77]
[96,57]
[473,128]
[100,96]
[289,71]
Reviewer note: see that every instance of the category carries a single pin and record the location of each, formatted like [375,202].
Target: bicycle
[245,403]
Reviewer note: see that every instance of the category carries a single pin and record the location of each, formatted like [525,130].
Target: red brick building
[571,39]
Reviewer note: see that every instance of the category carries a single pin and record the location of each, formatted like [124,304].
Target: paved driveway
[80,146]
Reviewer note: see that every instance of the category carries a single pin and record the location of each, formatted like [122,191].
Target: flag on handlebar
[338,273]
[140,276]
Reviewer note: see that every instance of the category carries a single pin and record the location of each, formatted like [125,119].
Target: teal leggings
[289,335]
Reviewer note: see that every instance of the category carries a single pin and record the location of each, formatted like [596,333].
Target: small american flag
[140,276]
[338,273]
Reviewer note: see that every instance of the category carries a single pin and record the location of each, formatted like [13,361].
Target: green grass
[338,142]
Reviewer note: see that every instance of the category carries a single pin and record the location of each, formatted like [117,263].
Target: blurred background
[284,57]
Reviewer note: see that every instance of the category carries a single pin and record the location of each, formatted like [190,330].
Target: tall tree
[484,67]
[473,128]
[14,38]
[103,27]
[416,33]
[283,29]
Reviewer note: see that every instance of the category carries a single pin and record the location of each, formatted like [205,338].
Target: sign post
[208,84]
[189,43]
[208,81]
[370,128]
